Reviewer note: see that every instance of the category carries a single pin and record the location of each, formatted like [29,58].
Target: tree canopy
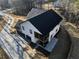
[52,0]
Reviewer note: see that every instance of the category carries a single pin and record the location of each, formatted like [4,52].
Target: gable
[28,26]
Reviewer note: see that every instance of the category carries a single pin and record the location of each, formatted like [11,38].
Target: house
[42,28]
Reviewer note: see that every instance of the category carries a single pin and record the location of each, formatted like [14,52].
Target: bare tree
[4,4]
[23,6]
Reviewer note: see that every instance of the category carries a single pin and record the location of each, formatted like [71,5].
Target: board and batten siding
[26,27]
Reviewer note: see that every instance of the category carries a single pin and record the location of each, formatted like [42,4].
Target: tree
[52,0]
[22,7]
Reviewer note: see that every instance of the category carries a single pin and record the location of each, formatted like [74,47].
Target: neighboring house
[42,28]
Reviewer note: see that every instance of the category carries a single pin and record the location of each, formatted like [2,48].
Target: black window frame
[23,28]
[30,31]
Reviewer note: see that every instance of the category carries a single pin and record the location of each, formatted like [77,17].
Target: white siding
[27,27]
[54,32]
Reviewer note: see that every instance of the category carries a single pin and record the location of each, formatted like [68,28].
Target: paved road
[63,46]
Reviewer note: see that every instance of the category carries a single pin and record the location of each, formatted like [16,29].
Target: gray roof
[34,12]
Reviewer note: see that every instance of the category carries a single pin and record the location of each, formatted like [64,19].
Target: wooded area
[71,11]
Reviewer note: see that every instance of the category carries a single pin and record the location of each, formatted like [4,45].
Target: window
[23,27]
[56,30]
[51,37]
[30,31]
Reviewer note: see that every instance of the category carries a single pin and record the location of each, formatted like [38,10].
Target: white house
[41,28]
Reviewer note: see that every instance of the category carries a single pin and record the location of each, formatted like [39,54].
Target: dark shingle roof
[46,21]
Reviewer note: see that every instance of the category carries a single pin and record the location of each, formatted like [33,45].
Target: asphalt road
[63,46]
